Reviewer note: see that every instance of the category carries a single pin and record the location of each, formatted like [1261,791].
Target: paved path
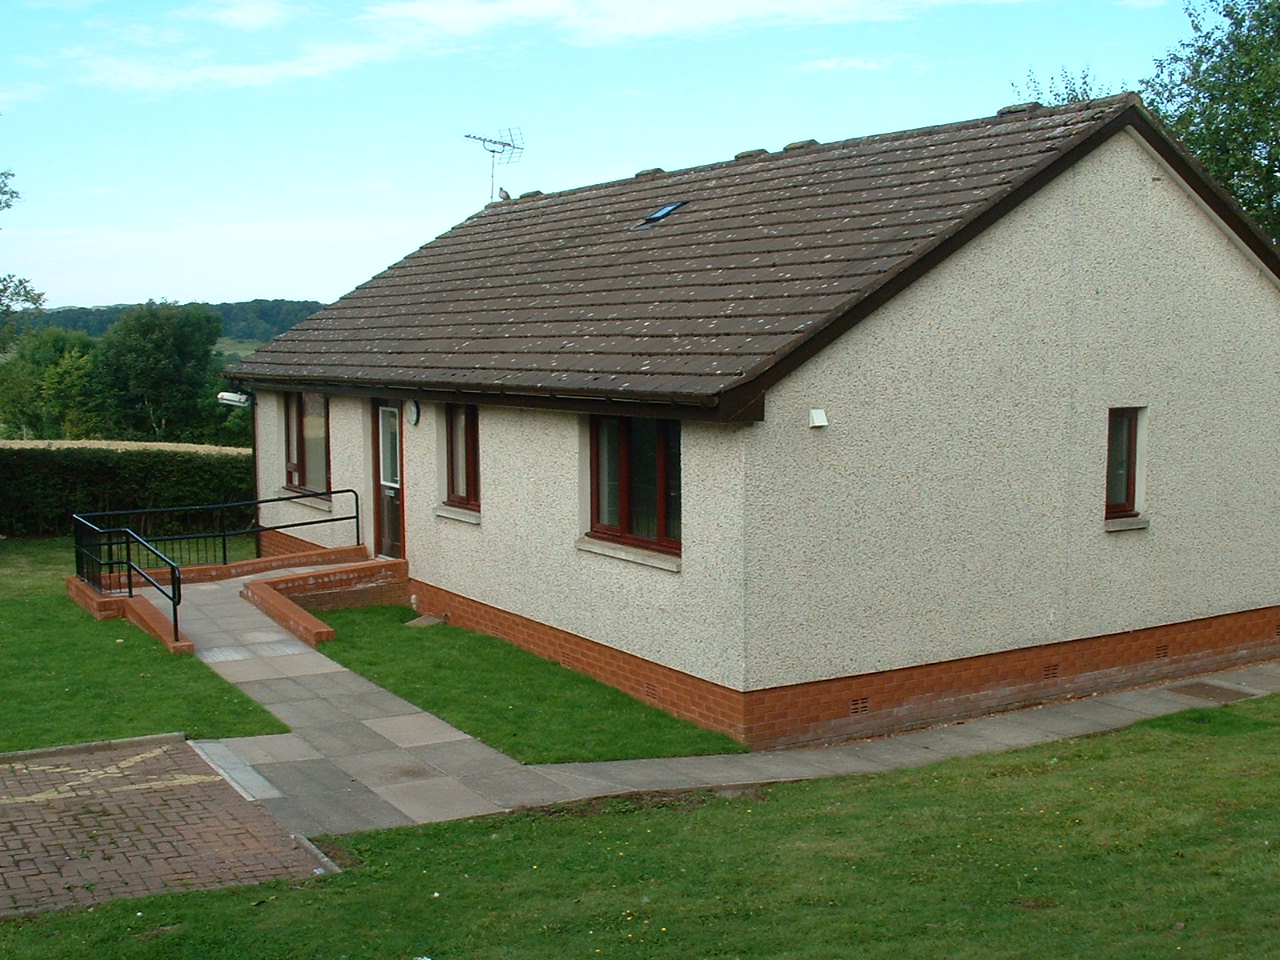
[359,758]
[82,825]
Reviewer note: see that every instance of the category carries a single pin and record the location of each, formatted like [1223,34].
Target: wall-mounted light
[817,417]
[233,398]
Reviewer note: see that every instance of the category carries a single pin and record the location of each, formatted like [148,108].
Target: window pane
[458,452]
[1119,447]
[389,417]
[643,451]
[672,477]
[315,453]
[607,472]
[292,441]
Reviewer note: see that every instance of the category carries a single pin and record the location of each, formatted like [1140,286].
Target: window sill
[1116,524]
[457,513]
[649,558]
[316,501]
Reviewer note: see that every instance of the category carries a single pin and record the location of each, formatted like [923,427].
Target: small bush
[42,486]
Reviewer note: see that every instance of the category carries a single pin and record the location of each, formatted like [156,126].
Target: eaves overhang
[727,407]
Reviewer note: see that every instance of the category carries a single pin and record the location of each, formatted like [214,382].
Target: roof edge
[1130,113]
[666,407]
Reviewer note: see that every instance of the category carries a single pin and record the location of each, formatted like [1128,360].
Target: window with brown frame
[462,445]
[1122,462]
[306,431]
[635,482]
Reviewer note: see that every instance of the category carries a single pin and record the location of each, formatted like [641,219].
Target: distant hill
[257,320]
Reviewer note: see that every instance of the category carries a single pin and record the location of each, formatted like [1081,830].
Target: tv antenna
[505,148]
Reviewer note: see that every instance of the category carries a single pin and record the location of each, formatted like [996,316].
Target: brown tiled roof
[566,298]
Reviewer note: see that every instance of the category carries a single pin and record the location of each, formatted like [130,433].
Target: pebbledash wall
[939,549]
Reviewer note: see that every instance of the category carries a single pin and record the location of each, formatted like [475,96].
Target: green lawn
[69,679]
[523,705]
[1161,841]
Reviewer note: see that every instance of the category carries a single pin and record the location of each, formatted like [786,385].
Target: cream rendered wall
[350,466]
[525,555]
[954,506]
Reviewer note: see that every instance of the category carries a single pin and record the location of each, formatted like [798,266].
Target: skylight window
[660,214]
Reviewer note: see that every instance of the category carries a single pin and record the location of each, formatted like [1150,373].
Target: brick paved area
[127,819]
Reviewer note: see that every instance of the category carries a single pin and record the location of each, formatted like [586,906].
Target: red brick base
[137,610]
[288,599]
[840,708]
[877,703]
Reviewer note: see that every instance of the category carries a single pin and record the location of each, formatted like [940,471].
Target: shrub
[41,486]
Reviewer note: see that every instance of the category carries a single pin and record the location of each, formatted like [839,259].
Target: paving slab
[314,712]
[733,768]
[1264,677]
[337,683]
[1014,729]
[522,787]
[235,770]
[302,664]
[635,775]
[343,739]
[320,798]
[239,671]
[1081,718]
[581,786]
[953,741]
[277,690]
[889,753]
[272,748]
[459,758]
[420,729]
[1154,701]
[386,768]
[436,800]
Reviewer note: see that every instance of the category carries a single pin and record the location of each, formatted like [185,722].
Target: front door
[388,491]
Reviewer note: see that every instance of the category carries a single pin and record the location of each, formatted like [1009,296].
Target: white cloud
[19,93]
[395,29]
[241,14]
[608,21]
[193,70]
[844,63]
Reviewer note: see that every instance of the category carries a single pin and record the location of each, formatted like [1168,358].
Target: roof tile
[560,294]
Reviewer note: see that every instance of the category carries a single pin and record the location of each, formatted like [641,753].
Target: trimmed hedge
[41,487]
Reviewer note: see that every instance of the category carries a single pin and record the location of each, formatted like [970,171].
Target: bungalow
[826,441]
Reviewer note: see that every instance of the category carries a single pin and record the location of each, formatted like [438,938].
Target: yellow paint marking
[111,771]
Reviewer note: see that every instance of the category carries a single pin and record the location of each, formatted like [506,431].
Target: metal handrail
[97,544]
[127,539]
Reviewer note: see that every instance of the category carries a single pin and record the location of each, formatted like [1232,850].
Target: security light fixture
[233,398]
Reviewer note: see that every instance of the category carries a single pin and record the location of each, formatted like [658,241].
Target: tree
[14,291]
[1219,93]
[44,386]
[1066,87]
[152,371]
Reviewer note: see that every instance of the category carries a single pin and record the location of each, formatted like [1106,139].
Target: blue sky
[224,150]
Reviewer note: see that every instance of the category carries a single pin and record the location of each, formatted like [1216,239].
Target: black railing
[154,544]
[112,557]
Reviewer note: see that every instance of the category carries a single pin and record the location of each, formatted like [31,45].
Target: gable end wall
[953,507]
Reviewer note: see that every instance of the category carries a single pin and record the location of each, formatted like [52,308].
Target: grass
[527,707]
[71,679]
[1160,841]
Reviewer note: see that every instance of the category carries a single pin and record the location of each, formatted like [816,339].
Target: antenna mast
[506,148]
